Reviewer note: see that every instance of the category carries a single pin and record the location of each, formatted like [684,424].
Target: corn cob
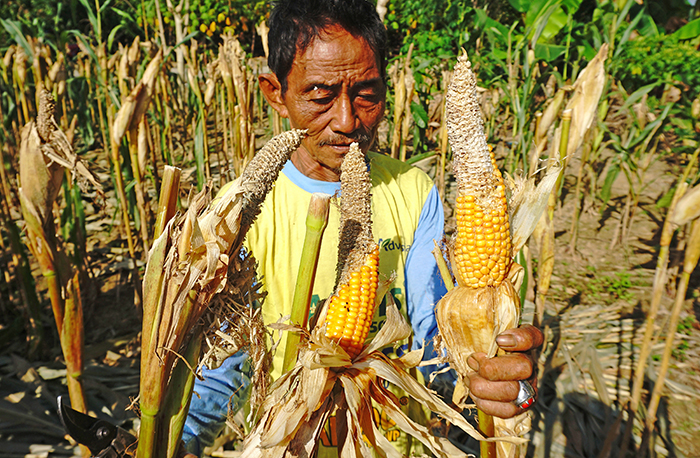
[485,302]
[351,309]
[483,246]
[352,306]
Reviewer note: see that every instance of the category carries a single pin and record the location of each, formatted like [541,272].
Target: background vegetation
[204,114]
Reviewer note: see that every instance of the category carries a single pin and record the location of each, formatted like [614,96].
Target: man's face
[334,90]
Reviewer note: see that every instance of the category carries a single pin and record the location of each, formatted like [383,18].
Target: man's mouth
[342,144]
[342,148]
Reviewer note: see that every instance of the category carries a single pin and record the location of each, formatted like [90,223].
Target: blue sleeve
[424,285]
[221,388]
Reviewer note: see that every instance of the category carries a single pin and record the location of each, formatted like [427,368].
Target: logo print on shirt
[391,245]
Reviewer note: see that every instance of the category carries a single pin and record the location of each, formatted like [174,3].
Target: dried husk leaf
[297,398]
[199,245]
[527,204]
[470,319]
[40,178]
[588,89]
[44,152]
[137,101]
[687,208]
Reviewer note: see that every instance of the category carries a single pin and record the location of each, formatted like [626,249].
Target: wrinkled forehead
[335,36]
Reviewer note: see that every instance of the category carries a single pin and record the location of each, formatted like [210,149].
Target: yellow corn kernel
[483,237]
[351,309]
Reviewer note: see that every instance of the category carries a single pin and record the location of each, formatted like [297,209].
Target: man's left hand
[494,384]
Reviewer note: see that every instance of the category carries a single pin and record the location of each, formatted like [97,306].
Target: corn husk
[325,381]
[136,103]
[583,104]
[688,207]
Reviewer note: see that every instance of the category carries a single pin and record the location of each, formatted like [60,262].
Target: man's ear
[272,90]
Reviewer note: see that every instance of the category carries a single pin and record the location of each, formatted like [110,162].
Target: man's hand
[494,384]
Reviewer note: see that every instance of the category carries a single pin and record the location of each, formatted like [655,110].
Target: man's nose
[344,118]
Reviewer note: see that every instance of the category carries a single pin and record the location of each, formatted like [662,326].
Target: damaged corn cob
[484,303]
[494,219]
[190,262]
[352,306]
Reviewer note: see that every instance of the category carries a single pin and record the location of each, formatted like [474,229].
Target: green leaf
[420,117]
[91,14]
[112,33]
[485,22]
[417,157]
[104,6]
[13,28]
[123,14]
[688,31]
[628,32]
[520,6]
[638,94]
[606,190]
[665,200]
[548,52]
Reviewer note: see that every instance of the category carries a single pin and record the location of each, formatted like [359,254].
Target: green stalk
[442,267]
[546,261]
[563,147]
[67,314]
[45,258]
[121,194]
[138,183]
[72,343]
[177,400]
[316,221]
[150,379]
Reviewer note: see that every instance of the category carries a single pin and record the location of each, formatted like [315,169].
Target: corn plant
[44,153]
[637,150]
[188,265]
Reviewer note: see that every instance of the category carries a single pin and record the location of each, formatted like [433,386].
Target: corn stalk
[188,265]
[44,152]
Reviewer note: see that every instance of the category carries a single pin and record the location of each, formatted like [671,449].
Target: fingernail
[506,341]
[473,363]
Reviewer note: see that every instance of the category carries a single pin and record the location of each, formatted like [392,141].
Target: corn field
[101,146]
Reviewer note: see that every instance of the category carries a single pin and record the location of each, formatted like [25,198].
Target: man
[327,59]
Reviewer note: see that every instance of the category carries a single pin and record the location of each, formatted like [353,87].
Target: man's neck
[312,168]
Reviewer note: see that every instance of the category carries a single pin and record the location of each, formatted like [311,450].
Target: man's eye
[369,98]
[321,96]
[322,99]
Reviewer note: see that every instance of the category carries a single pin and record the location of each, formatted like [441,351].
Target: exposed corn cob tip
[352,306]
[262,171]
[355,241]
[351,309]
[473,164]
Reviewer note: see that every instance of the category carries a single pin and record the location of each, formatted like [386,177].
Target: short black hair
[294,24]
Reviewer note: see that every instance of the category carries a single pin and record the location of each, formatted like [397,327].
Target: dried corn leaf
[588,89]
